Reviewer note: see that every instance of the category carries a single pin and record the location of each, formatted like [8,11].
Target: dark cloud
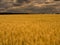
[21,1]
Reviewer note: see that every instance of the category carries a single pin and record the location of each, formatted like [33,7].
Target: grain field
[29,29]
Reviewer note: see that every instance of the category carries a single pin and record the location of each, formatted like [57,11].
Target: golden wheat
[30,30]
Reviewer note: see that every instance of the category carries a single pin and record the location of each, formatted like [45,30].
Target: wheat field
[29,29]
